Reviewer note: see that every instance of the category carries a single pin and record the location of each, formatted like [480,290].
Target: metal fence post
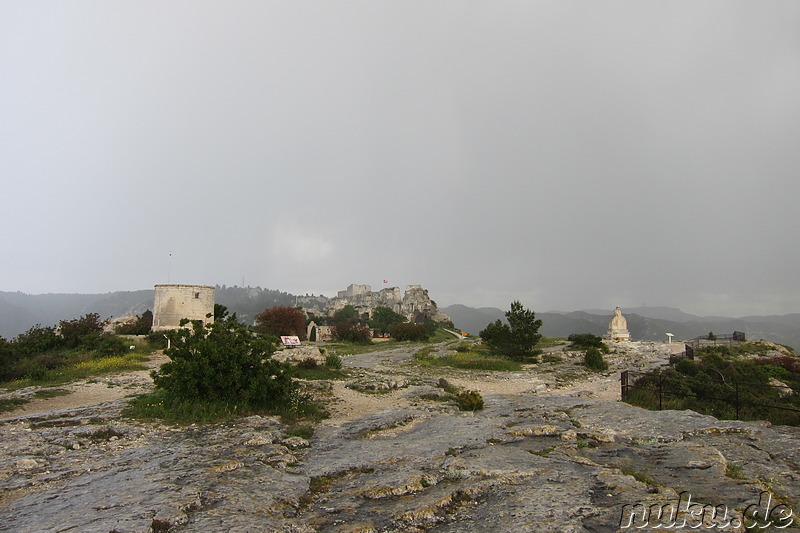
[660,386]
[736,383]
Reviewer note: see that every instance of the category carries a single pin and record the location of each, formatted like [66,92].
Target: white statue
[618,328]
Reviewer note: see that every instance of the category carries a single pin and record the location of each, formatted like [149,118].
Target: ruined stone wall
[415,304]
[175,302]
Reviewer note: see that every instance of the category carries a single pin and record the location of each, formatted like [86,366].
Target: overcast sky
[567,154]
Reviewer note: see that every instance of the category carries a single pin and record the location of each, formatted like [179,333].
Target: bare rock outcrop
[543,459]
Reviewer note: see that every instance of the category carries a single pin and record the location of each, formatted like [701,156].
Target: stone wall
[175,302]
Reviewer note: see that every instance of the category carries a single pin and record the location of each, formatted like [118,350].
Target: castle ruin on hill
[415,304]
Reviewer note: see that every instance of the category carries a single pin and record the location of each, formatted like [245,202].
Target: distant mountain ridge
[19,312]
[644,323]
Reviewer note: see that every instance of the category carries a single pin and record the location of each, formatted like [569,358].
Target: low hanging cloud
[296,244]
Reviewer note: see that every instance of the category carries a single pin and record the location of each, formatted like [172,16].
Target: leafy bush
[687,367]
[347,314]
[410,332]
[352,332]
[37,339]
[593,360]
[225,362]
[583,341]
[141,326]
[384,318]
[81,331]
[157,340]
[469,401]
[333,361]
[107,345]
[282,321]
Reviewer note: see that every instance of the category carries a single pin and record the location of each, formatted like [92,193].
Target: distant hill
[644,323]
[19,312]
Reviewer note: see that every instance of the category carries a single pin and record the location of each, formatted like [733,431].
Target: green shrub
[81,331]
[333,361]
[583,341]
[410,332]
[352,332]
[140,326]
[224,362]
[687,367]
[108,345]
[593,360]
[36,340]
[469,401]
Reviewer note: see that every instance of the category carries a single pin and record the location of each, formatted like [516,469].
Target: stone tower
[175,302]
[618,327]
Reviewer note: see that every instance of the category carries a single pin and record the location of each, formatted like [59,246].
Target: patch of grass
[470,361]
[640,476]
[318,485]
[549,342]
[305,431]
[424,353]
[81,370]
[9,404]
[346,348]
[734,471]
[440,335]
[543,452]
[51,393]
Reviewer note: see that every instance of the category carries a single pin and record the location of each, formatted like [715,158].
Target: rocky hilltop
[553,451]
[416,305]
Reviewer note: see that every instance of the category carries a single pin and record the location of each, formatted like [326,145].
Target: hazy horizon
[565,155]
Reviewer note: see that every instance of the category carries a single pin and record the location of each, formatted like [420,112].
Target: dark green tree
[220,311]
[84,331]
[384,318]
[225,362]
[282,321]
[346,314]
[518,338]
[348,331]
[410,332]
[141,326]
[36,340]
[593,360]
